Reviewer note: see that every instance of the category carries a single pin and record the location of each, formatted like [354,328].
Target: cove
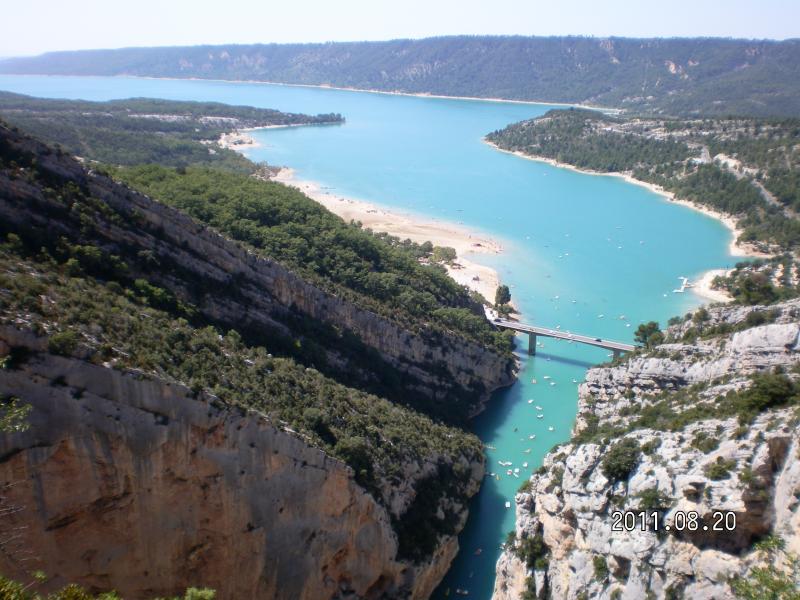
[589,254]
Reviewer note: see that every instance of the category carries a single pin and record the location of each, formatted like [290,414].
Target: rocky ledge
[703,425]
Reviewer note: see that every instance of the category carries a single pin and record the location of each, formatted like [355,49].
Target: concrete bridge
[533,331]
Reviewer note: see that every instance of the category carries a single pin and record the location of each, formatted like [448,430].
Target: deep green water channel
[590,254]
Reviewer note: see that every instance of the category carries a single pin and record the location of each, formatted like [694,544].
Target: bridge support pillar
[617,354]
[531,344]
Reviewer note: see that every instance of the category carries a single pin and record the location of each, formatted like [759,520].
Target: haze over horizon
[91,24]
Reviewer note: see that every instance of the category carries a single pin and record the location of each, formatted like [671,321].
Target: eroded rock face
[128,482]
[571,501]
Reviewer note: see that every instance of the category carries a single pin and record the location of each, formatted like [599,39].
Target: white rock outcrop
[710,466]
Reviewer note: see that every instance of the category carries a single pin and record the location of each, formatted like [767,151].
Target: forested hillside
[167,149]
[670,76]
[145,130]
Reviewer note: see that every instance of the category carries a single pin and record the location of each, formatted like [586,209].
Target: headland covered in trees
[743,171]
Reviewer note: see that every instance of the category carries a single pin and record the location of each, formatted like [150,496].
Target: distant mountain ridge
[677,76]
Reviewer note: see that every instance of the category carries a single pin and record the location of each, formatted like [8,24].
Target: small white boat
[509,472]
[524,465]
[516,470]
[516,475]
[546,377]
[508,504]
[533,380]
[552,383]
[532,437]
[540,416]
[574,380]
[600,316]
[530,401]
[528,451]
[551,428]
[539,407]
[504,463]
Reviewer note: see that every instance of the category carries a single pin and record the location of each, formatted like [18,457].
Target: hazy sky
[33,26]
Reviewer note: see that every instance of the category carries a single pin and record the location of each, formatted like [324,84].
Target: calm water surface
[589,254]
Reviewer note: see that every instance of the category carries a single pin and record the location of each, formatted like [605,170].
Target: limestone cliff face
[130,482]
[233,286]
[569,503]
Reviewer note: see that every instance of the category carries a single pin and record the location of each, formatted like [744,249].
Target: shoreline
[320,86]
[702,287]
[735,248]
[417,228]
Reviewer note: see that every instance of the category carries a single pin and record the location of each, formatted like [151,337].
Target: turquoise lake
[589,254]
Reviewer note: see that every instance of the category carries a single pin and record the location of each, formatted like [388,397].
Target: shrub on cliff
[777,576]
[620,461]
[63,342]
[652,499]
[720,469]
[649,334]
[355,452]
[768,390]
[601,571]
[532,551]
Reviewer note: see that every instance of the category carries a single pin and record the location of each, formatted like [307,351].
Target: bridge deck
[565,335]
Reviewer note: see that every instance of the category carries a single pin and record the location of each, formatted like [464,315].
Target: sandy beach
[417,228]
[702,287]
[736,248]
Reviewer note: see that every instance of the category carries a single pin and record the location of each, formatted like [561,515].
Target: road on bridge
[532,330]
